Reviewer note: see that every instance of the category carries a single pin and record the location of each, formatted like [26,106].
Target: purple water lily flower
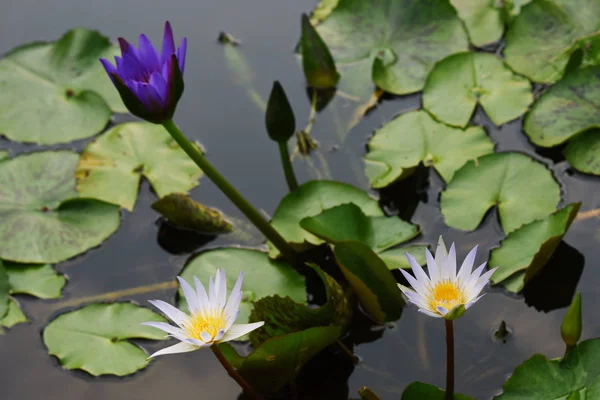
[150,84]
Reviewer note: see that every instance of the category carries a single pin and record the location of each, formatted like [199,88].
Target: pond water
[217,112]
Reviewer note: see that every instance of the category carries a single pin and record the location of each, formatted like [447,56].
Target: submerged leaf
[183,211]
[95,338]
[57,92]
[110,167]
[522,190]
[402,144]
[526,250]
[41,220]
[34,279]
[461,81]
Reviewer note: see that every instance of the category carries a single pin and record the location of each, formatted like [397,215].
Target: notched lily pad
[566,109]
[583,152]
[37,280]
[418,33]
[526,250]
[521,188]
[57,92]
[484,19]
[461,81]
[183,211]
[311,199]
[402,144]
[95,338]
[14,316]
[110,167]
[41,218]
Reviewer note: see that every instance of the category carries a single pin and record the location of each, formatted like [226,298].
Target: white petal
[481,282]
[475,276]
[177,348]
[173,313]
[418,271]
[202,296]
[426,312]
[449,266]
[239,330]
[442,310]
[433,267]
[206,336]
[467,266]
[416,285]
[212,294]
[233,303]
[164,327]
[190,296]
[417,299]
[440,252]
[469,304]
[221,288]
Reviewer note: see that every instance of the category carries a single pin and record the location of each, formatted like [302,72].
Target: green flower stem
[288,170]
[449,359]
[249,211]
[234,374]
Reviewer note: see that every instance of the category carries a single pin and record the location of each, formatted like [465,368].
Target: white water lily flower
[211,316]
[445,293]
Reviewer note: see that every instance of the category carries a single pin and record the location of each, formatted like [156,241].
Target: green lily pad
[402,144]
[280,359]
[263,277]
[4,154]
[311,199]
[416,33]
[184,211]
[57,92]
[566,109]
[40,281]
[4,291]
[41,220]
[111,166]
[424,391]
[95,338]
[583,152]
[543,36]
[372,281]
[577,377]
[483,18]
[527,249]
[461,81]
[521,188]
[14,316]
[396,258]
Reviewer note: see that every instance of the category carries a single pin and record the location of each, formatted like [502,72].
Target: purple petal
[132,68]
[181,52]
[158,82]
[147,95]
[168,45]
[126,47]
[148,55]
[110,69]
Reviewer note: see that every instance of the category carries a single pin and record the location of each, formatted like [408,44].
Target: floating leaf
[95,338]
[527,249]
[348,222]
[280,359]
[542,38]
[583,152]
[373,283]
[35,280]
[57,92]
[311,199]
[111,166]
[566,109]
[14,315]
[264,277]
[41,221]
[461,81]
[317,62]
[416,34]
[402,144]
[4,154]
[279,118]
[4,290]
[184,211]
[424,391]
[577,377]
[522,190]
[483,18]
[396,258]
[322,10]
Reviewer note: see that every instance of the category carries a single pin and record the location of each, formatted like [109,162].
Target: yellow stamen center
[209,322]
[446,294]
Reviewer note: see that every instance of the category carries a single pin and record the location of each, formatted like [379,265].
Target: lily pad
[416,34]
[566,109]
[111,166]
[185,212]
[526,250]
[396,258]
[521,188]
[483,18]
[424,391]
[57,92]
[311,199]
[14,315]
[373,283]
[4,154]
[4,290]
[461,81]
[543,36]
[576,377]
[41,220]
[402,144]
[40,281]
[263,277]
[583,152]
[95,338]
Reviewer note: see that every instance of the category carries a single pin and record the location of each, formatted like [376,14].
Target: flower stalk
[288,170]
[234,374]
[223,184]
[449,359]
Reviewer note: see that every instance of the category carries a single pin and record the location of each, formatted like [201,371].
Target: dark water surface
[217,112]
